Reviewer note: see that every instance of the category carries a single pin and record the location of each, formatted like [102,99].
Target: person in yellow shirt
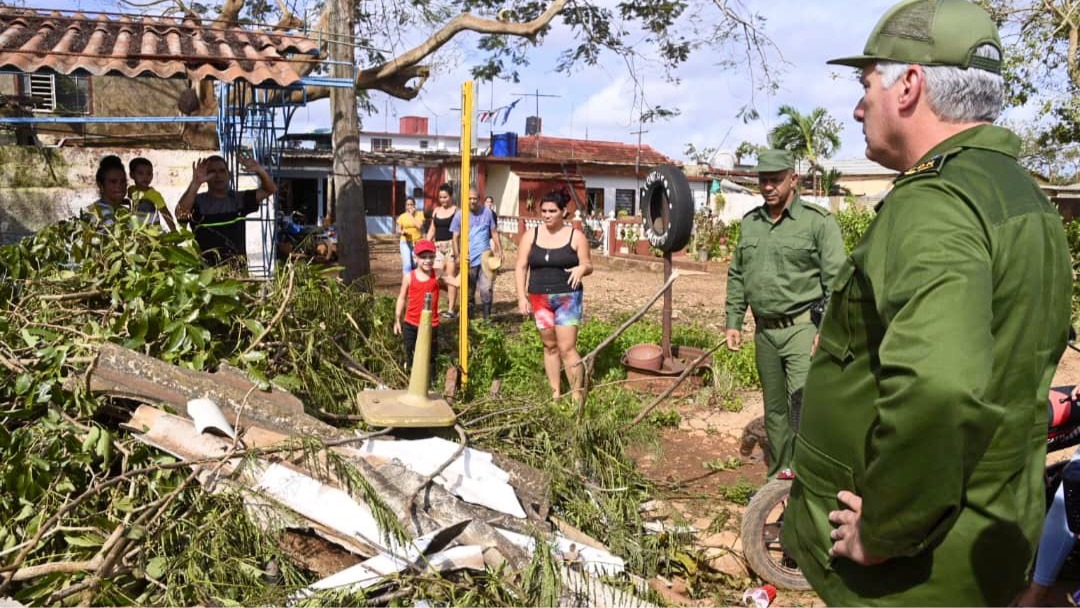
[144,199]
[408,227]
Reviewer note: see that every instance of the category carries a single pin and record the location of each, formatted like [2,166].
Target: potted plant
[631,239]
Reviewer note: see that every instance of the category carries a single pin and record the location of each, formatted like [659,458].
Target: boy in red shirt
[415,286]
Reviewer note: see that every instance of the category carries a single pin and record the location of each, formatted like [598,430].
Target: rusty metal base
[657,381]
[400,409]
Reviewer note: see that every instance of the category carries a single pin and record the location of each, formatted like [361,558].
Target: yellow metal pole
[463,247]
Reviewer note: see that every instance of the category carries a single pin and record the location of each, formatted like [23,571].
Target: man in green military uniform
[922,442]
[788,253]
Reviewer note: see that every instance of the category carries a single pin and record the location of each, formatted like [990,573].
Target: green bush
[853,223]
[1072,232]
[734,230]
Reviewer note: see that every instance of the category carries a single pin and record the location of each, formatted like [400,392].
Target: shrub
[853,223]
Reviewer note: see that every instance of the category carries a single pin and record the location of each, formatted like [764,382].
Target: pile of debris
[452,508]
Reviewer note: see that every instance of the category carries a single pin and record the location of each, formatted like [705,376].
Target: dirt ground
[706,434]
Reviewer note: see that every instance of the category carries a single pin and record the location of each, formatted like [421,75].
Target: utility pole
[637,161]
[540,124]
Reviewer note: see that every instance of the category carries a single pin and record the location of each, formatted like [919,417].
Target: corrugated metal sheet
[148,46]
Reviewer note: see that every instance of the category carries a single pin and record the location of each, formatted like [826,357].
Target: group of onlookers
[551,262]
[216,216]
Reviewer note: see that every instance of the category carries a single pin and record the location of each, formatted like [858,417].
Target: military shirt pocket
[795,254]
[835,335]
[749,250]
[821,477]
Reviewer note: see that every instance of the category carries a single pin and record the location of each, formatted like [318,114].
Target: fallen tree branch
[76,295]
[277,317]
[690,369]
[355,366]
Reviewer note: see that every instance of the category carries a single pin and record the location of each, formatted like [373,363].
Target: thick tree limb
[394,76]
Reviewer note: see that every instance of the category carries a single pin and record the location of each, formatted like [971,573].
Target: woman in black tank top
[551,262]
[439,232]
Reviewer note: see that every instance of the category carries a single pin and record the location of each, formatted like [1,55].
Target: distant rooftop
[563,149]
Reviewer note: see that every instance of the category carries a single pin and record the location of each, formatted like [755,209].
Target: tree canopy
[396,42]
[1042,67]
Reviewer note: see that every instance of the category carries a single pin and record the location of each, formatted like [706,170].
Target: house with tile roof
[72,71]
[603,177]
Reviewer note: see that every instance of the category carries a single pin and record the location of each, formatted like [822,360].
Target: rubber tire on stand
[667,185]
[757,554]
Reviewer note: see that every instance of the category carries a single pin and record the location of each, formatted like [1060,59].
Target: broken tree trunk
[124,373]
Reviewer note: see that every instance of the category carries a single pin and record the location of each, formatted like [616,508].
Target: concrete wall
[122,96]
[866,186]
[504,186]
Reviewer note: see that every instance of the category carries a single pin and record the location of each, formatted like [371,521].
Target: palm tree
[830,181]
[810,136]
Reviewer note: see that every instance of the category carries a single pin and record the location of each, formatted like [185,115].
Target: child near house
[144,199]
[415,286]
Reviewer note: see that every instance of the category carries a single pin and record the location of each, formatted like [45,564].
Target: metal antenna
[539,123]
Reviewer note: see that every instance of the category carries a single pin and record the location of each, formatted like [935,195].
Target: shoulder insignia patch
[931,166]
[928,166]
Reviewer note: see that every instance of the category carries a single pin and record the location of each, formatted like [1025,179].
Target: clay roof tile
[166,47]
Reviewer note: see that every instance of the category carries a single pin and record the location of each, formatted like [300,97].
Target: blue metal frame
[24,120]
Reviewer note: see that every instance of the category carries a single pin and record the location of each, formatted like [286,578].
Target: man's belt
[782,322]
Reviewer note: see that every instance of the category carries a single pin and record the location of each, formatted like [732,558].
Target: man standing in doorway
[920,456]
[789,252]
[483,236]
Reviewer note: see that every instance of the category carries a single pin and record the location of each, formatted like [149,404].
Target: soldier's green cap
[769,161]
[931,32]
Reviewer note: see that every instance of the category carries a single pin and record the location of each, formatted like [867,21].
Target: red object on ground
[759,597]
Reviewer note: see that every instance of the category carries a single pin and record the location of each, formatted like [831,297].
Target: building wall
[122,96]
[413,178]
[610,184]
[42,186]
[411,142]
[866,186]
[503,185]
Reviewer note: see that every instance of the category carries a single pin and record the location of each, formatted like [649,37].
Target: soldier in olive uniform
[920,454]
[788,253]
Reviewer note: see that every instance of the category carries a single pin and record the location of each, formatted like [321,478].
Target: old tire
[667,186]
[761,541]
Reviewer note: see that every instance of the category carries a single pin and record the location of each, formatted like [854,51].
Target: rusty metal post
[665,341]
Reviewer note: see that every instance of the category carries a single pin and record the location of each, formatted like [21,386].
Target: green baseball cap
[931,32]
[770,161]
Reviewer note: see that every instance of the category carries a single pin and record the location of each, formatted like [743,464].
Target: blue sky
[598,101]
